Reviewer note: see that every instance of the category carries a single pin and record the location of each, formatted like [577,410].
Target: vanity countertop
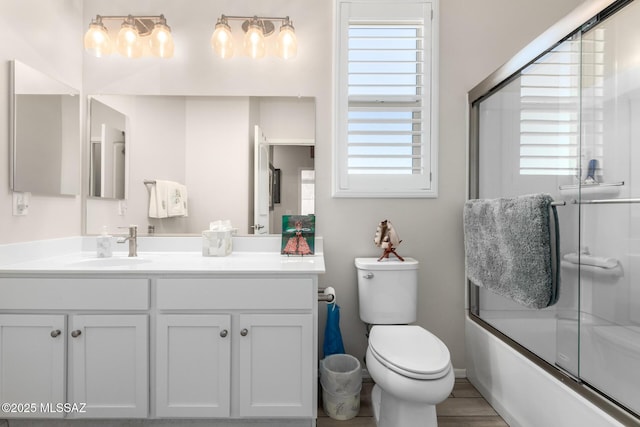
[161,262]
[151,263]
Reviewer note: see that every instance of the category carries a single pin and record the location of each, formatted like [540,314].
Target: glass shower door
[529,142]
[610,212]
[568,124]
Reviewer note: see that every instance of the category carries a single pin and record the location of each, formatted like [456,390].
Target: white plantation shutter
[385,132]
[385,142]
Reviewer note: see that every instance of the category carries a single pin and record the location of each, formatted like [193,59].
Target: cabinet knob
[55,333]
[244,332]
[224,333]
[76,333]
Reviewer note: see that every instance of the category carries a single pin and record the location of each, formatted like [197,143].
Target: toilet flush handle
[369,275]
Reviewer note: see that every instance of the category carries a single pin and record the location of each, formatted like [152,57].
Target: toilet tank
[387,290]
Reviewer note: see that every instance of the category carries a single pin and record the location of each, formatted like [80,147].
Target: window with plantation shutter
[385,142]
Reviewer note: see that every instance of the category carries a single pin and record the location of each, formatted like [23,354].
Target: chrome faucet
[132,238]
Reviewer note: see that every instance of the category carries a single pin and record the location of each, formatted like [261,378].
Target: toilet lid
[410,350]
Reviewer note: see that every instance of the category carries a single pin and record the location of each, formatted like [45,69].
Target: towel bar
[596,202]
[608,201]
[149,181]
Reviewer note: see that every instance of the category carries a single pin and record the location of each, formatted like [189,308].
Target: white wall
[43,35]
[476,37]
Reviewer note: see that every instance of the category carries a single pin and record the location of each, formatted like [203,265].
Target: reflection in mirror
[45,134]
[206,143]
[107,152]
[295,166]
[284,179]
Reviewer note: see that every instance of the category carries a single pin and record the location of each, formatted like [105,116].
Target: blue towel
[332,336]
[511,248]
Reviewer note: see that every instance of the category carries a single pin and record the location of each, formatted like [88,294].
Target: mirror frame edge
[12,124]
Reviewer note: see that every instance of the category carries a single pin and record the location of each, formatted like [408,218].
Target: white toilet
[410,366]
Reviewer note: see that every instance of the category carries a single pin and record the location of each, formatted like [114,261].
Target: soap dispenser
[103,244]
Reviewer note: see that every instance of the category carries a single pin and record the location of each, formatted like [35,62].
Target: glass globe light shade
[287,44]
[129,43]
[254,41]
[222,40]
[161,41]
[97,41]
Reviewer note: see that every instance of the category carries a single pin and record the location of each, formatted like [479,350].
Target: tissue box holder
[216,243]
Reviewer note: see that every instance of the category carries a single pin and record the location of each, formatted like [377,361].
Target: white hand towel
[158,200]
[185,200]
[153,202]
[177,200]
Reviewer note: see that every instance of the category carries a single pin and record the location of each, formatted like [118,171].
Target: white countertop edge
[167,256]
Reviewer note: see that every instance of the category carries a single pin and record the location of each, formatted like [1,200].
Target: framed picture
[271,179]
[276,186]
[298,235]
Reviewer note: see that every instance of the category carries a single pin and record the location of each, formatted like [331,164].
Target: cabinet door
[276,365]
[193,372]
[109,365]
[32,362]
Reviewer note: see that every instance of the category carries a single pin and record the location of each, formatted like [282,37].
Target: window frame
[383,185]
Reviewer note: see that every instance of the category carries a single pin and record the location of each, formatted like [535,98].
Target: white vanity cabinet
[70,362]
[238,347]
[109,365]
[171,335]
[32,362]
[193,356]
[275,362]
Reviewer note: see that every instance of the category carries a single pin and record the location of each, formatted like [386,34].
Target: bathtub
[521,391]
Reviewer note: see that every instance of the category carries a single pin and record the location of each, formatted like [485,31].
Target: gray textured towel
[508,247]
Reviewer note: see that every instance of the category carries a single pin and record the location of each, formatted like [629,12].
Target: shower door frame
[581,19]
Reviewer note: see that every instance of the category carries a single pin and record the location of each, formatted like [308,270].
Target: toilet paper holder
[322,297]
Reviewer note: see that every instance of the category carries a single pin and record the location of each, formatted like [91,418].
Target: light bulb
[161,41]
[129,43]
[96,39]
[254,40]
[287,44]
[222,39]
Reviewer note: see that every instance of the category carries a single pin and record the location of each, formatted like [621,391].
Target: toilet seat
[410,350]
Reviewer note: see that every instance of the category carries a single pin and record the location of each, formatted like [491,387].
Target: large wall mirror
[207,144]
[45,134]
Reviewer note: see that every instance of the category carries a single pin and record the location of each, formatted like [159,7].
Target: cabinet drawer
[236,293]
[74,294]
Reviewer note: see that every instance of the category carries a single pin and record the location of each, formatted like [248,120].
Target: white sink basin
[111,262]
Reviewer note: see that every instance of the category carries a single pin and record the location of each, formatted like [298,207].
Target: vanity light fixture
[256,29]
[136,33]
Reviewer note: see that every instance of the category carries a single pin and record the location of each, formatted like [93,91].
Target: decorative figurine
[387,238]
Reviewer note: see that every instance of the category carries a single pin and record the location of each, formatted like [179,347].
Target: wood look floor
[465,407]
